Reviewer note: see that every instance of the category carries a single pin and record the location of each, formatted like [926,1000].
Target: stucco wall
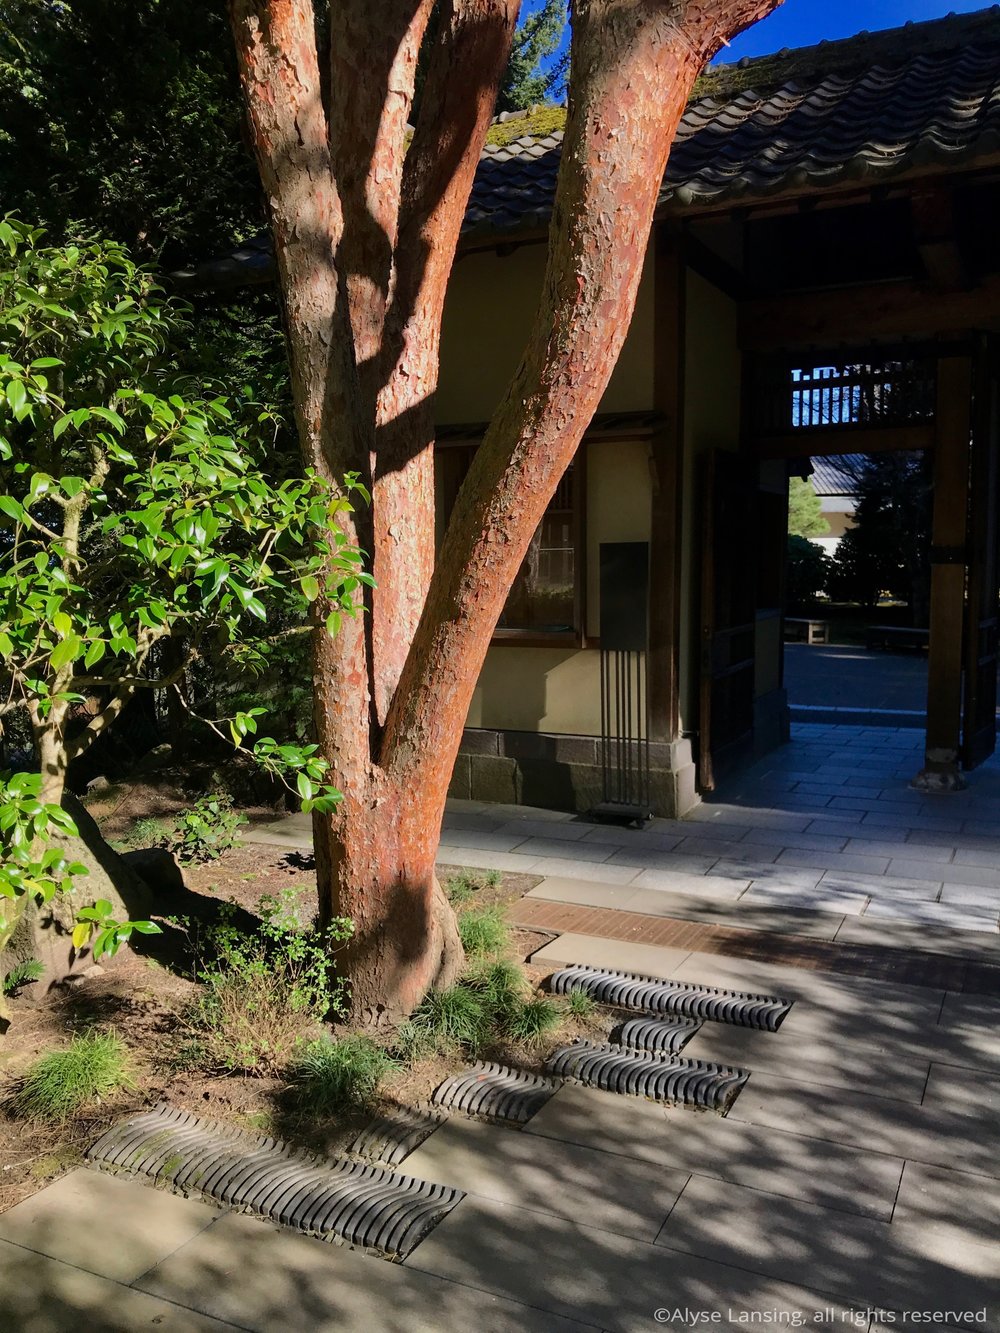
[552,689]
[488,315]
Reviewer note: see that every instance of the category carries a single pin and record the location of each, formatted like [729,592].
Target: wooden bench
[888,637]
[806,631]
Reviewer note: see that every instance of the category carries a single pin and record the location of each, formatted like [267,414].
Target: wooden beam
[850,440]
[948,558]
[935,232]
[667,476]
[882,310]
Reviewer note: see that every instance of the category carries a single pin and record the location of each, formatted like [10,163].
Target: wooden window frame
[532,638]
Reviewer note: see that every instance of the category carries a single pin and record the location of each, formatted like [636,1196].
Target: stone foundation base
[560,772]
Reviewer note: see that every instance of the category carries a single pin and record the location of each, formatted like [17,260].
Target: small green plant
[413,1042]
[483,931]
[208,829]
[263,988]
[331,1074]
[145,832]
[532,1021]
[460,889]
[492,879]
[500,982]
[22,975]
[61,1083]
[580,1004]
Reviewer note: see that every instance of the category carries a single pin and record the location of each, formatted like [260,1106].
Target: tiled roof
[869,107]
[922,97]
[837,476]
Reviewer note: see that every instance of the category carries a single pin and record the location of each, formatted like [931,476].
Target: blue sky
[803,22]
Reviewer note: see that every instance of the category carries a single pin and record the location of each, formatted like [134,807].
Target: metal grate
[391,1138]
[656,996]
[335,1200]
[663,1078]
[656,1035]
[498,1092]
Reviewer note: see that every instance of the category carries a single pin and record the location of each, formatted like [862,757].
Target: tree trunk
[392,693]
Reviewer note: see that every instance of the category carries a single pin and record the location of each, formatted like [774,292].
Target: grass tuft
[457,1016]
[532,1020]
[62,1082]
[483,931]
[580,1004]
[331,1074]
[460,889]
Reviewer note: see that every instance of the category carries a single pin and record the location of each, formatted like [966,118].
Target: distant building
[833,483]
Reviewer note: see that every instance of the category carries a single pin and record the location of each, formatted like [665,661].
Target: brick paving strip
[889,964]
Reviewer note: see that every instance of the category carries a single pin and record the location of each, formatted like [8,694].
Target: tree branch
[463,77]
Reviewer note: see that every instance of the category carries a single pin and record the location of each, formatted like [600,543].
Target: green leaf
[17,396]
[310,587]
[11,507]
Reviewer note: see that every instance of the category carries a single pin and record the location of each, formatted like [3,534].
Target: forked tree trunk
[393,692]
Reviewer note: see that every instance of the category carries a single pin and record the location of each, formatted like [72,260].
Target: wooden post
[666,466]
[953,425]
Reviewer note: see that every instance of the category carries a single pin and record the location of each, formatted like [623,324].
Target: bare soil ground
[145,999]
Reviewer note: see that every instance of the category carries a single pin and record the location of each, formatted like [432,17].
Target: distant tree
[808,570]
[805,514]
[532,74]
[887,551]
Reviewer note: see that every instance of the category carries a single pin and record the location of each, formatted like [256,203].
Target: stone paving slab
[690,907]
[588,951]
[69,1221]
[706,886]
[956,916]
[875,1124]
[601,872]
[263,1279]
[42,1295]
[751,911]
[588,892]
[613,1192]
[834,902]
[613,1282]
[858,1260]
[677,1138]
[809,1059]
[978,946]
[962,1090]
[939,1200]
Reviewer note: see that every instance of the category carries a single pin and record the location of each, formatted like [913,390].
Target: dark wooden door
[979,705]
[728,613]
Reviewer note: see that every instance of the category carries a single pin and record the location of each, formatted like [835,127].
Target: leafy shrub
[207,830]
[22,975]
[483,931]
[263,988]
[331,1074]
[62,1082]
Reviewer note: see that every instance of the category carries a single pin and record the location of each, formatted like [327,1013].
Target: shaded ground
[833,677]
[146,999]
